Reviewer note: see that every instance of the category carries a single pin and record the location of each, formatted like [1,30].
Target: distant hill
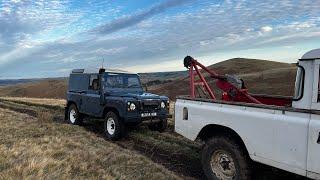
[6,82]
[57,87]
[44,88]
[245,66]
[260,76]
[158,78]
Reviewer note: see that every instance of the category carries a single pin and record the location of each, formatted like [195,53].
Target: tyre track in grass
[188,167]
[20,110]
[164,150]
[33,150]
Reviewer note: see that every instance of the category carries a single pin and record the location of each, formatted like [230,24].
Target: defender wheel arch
[212,130]
[71,102]
[113,109]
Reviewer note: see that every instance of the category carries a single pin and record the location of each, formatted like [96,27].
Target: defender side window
[94,82]
[133,82]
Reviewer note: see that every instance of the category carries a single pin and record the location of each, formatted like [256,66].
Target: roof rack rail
[77,70]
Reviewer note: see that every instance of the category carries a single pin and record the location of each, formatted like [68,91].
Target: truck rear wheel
[223,158]
[74,117]
[160,126]
[114,128]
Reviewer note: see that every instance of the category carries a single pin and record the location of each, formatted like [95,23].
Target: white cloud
[300,25]
[266,29]
[111,51]
[15,1]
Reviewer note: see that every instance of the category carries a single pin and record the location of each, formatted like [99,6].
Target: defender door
[91,102]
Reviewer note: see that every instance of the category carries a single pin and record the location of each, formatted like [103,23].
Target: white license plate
[148,114]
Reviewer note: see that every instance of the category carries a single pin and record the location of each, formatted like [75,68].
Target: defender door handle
[318,141]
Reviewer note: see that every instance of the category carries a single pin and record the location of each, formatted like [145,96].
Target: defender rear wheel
[74,117]
[223,158]
[114,128]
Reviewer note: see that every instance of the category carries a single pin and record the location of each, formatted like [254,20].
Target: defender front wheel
[114,128]
[74,117]
[223,158]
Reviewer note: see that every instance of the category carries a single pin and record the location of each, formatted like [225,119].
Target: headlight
[132,107]
[163,105]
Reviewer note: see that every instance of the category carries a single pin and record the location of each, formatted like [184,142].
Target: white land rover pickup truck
[236,133]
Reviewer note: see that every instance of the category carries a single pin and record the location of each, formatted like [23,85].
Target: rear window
[78,82]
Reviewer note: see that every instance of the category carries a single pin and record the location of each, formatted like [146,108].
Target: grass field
[39,148]
[36,143]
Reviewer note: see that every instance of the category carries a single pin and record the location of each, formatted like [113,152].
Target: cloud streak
[134,19]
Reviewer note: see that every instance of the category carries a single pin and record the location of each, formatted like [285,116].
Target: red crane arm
[230,91]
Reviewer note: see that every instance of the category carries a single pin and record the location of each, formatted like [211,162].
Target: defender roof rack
[78,71]
[100,70]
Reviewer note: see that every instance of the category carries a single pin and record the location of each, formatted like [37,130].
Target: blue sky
[49,38]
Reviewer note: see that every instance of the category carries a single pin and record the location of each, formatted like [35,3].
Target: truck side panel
[272,137]
[314,147]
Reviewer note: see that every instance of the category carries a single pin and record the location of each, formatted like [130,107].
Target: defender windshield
[122,81]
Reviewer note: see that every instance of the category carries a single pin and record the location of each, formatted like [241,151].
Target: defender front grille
[150,105]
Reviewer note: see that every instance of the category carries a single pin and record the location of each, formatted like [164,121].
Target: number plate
[153,114]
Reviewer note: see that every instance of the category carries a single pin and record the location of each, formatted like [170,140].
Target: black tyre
[114,128]
[223,158]
[160,126]
[74,117]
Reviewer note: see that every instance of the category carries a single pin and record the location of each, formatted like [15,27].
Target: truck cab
[307,97]
[282,132]
[117,97]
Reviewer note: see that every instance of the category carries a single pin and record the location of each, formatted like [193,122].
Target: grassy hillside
[261,76]
[52,88]
[157,78]
[245,66]
[5,82]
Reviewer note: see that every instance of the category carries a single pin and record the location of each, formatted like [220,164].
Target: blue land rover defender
[117,98]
